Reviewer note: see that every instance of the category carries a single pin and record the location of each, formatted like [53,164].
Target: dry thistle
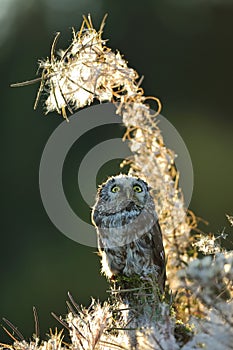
[72,79]
[89,70]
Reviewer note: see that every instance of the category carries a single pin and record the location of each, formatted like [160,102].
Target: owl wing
[158,254]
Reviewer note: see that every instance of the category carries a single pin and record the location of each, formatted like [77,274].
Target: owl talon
[113,278]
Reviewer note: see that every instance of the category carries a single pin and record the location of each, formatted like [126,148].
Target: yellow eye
[137,188]
[115,189]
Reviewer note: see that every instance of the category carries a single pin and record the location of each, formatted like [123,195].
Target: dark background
[185,51]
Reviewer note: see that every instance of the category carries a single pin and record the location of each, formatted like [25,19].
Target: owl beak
[128,193]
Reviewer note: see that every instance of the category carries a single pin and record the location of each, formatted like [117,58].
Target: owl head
[124,210]
[123,189]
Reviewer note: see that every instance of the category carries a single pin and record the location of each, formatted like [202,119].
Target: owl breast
[133,258]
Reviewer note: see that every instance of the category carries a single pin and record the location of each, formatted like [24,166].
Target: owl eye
[137,188]
[115,189]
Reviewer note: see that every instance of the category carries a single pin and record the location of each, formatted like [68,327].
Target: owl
[128,232]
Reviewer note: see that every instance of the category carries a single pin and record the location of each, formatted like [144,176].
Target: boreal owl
[128,231]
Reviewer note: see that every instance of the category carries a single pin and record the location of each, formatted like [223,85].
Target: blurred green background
[185,51]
